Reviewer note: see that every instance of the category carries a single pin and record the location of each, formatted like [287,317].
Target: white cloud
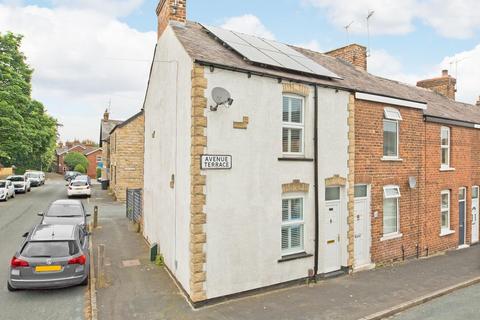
[467,72]
[108,7]
[248,24]
[82,58]
[455,19]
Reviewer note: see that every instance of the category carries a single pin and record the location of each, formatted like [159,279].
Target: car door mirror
[40,214]
[89,214]
[25,235]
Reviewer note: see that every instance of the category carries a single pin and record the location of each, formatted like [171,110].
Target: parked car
[79,188]
[7,190]
[83,177]
[37,178]
[21,183]
[69,175]
[51,256]
[65,211]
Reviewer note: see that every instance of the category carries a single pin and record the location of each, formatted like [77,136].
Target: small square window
[390,192]
[332,193]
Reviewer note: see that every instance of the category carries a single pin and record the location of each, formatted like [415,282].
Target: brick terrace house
[319,170]
[92,153]
[126,155]
[106,125]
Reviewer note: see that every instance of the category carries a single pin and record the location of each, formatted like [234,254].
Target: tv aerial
[221,97]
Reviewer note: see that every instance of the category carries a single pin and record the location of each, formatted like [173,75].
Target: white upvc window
[293,125]
[292,225]
[445,147]
[391,210]
[445,211]
[391,132]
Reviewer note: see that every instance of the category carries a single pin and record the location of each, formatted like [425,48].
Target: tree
[79,168]
[73,159]
[28,134]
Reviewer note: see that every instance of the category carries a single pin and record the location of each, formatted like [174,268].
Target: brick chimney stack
[170,10]
[106,115]
[445,85]
[354,54]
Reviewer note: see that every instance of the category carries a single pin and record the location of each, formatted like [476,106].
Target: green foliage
[159,260]
[73,159]
[80,168]
[28,133]
[99,172]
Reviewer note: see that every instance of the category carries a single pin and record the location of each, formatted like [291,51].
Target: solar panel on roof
[268,52]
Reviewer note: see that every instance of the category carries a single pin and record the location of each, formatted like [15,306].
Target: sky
[89,55]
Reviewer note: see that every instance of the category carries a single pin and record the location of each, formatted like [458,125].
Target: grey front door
[461,215]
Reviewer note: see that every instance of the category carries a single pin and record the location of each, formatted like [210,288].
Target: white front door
[332,229]
[361,227]
[474,214]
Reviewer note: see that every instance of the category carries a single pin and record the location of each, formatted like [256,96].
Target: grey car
[51,256]
[65,211]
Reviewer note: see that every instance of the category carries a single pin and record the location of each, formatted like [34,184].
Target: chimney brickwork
[354,54]
[106,115]
[478,102]
[445,85]
[170,10]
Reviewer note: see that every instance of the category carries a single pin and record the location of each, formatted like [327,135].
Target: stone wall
[126,157]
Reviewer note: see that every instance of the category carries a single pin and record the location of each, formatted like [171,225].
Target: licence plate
[47,268]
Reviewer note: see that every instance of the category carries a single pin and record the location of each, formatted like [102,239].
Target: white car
[37,178]
[20,183]
[7,190]
[79,188]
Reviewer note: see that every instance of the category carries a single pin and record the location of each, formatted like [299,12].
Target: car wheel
[84,282]
[13,195]
[10,288]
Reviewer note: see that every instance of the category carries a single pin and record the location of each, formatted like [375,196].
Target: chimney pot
[478,102]
[106,115]
[444,73]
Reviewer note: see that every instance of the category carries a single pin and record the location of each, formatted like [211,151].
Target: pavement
[135,288]
[17,216]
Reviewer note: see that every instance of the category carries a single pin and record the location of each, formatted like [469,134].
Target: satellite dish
[221,96]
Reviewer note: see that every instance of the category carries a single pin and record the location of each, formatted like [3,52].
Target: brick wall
[445,85]
[126,156]
[92,163]
[353,53]
[370,169]
[465,159]
[167,11]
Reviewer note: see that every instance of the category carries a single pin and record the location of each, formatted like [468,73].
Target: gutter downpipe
[315,163]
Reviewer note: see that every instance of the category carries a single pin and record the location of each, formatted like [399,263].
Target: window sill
[446,232]
[447,169]
[295,256]
[391,159]
[295,159]
[391,236]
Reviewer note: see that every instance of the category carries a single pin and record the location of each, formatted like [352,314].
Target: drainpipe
[315,163]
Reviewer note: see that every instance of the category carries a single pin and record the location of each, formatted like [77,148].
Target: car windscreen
[64,210]
[79,183]
[33,175]
[49,249]
[16,178]
[2,184]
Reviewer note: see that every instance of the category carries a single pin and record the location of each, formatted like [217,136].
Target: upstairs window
[445,147]
[390,132]
[445,211]
[292,226]
[292,124]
